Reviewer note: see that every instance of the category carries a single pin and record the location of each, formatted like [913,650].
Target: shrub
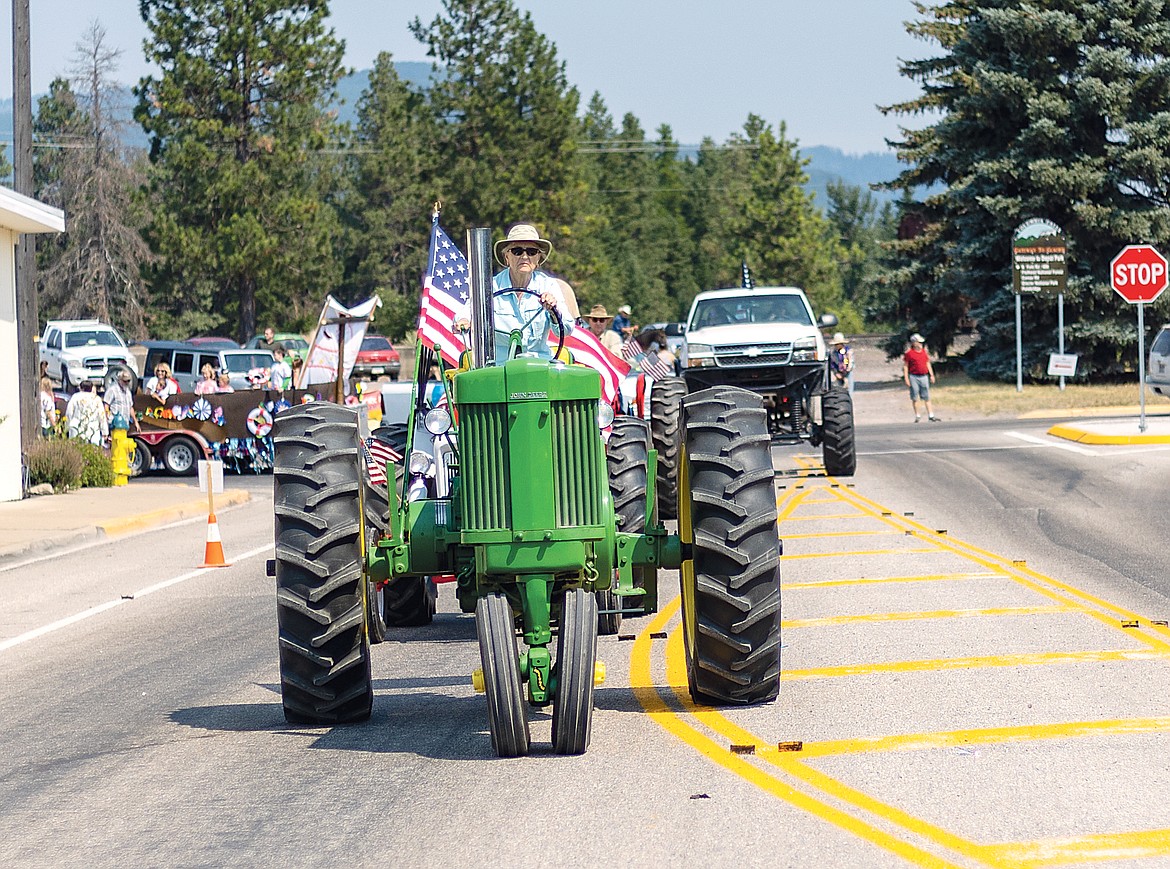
[56,462]
[99,468]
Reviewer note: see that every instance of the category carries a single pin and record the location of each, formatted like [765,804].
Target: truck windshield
[749,309]
[244,362]
[103,337]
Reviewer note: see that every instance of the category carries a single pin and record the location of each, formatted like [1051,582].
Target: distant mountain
[825,163]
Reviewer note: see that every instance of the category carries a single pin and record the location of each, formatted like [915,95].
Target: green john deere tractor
[538,513]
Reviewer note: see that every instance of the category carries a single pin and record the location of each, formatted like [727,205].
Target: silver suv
[78,350]
[1158,371]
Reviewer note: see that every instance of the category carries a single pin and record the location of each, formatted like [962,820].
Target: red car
[377,358]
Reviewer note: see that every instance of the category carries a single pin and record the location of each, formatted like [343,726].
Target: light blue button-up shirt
[513,310]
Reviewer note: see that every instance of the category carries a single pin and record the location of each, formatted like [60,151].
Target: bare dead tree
[95,268]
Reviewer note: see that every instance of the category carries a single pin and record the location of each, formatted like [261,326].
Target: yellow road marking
[642,683]
[859,552]
[929,577]
[1082,849]
[819,517]
[821,535]
[928,614]
[1029,659]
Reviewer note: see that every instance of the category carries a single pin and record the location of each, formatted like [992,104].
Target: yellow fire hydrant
[121,449]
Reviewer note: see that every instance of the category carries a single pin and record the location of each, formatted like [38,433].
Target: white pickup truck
[78,350]
[767,340]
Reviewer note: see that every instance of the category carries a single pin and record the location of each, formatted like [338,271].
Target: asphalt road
[957,677]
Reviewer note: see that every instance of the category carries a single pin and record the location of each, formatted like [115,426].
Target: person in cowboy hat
[841,361]
[535,294]
[598,320]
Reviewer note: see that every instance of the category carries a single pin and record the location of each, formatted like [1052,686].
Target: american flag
[587,350]
[377,453]
[654,367]
[446,289]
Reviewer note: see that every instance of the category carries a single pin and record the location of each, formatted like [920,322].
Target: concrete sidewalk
[50,522]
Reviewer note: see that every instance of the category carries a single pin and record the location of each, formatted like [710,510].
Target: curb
[1080,436]
[132,524]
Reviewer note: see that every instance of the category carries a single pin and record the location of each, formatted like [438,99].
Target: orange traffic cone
[213,553]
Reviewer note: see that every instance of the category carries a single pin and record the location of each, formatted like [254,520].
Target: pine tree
[238,130]
[1048,109]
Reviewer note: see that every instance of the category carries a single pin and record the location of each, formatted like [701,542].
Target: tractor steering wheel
[553,312]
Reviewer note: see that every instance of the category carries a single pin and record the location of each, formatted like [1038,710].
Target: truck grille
[753,354]
[484,466]
[576,463]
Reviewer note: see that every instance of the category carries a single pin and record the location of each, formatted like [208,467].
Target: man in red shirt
[918,374]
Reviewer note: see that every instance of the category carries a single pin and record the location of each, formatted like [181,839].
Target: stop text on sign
[1138,274]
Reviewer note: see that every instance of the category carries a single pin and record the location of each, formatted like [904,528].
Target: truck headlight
[74,363]
[699,356]
[805,350]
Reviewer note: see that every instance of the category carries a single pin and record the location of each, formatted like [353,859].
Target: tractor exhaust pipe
[483,333]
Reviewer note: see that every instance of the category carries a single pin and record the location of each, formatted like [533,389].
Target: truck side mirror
[828,321]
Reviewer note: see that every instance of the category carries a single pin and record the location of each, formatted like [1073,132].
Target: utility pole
[27,316]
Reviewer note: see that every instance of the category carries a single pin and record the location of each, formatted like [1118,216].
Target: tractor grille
[576,463]
[483,442]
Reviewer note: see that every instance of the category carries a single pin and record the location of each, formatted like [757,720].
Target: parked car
[376,358]
[213,342]
[78,350]
[1158,370]
[295,345]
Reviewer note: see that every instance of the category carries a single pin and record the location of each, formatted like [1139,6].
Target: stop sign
[1138,273]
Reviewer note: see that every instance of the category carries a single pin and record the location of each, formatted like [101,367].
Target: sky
[822,68]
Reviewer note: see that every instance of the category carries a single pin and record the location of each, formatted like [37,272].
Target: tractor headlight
[604,415]
[437,421]
[419,462]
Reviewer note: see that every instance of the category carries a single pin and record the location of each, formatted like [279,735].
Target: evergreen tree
[392,171]
[860,228]
[506,122]
[94,268]
[1047,109]
[237,125]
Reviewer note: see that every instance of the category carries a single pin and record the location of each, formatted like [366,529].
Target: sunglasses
[524,251]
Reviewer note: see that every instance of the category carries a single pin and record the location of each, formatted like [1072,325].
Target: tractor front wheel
[572,720]
[320,600]
[507,716]
[732,584]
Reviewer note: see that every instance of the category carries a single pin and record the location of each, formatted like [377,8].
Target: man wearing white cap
[918,374]
[622,322]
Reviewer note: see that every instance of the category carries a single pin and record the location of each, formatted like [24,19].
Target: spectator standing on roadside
[269,342]
[48,406]
[120,400]
[87,415]
[841,362]
[598,321]
[280,375]
[918,374]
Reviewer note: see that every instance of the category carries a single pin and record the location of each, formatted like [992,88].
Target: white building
[18,215]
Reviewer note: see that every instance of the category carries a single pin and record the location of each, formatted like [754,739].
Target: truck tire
[320,602]
[627,459]
[507,715]
[838,446]
[181,455]
[665,423]
[572,720]
[732,630]
[143,458]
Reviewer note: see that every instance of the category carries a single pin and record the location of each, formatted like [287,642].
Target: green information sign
[1039,260]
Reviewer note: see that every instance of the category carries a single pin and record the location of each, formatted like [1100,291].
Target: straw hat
[838,338]
[598,312]
[523,232]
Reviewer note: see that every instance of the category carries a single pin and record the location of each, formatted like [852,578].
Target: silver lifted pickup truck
[767,340]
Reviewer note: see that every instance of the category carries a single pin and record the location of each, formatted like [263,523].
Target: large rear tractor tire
[666,428]
[409,602]
[507,716]
[838,446]
[731,591]
[320,600]
[627,459]
[572,720]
